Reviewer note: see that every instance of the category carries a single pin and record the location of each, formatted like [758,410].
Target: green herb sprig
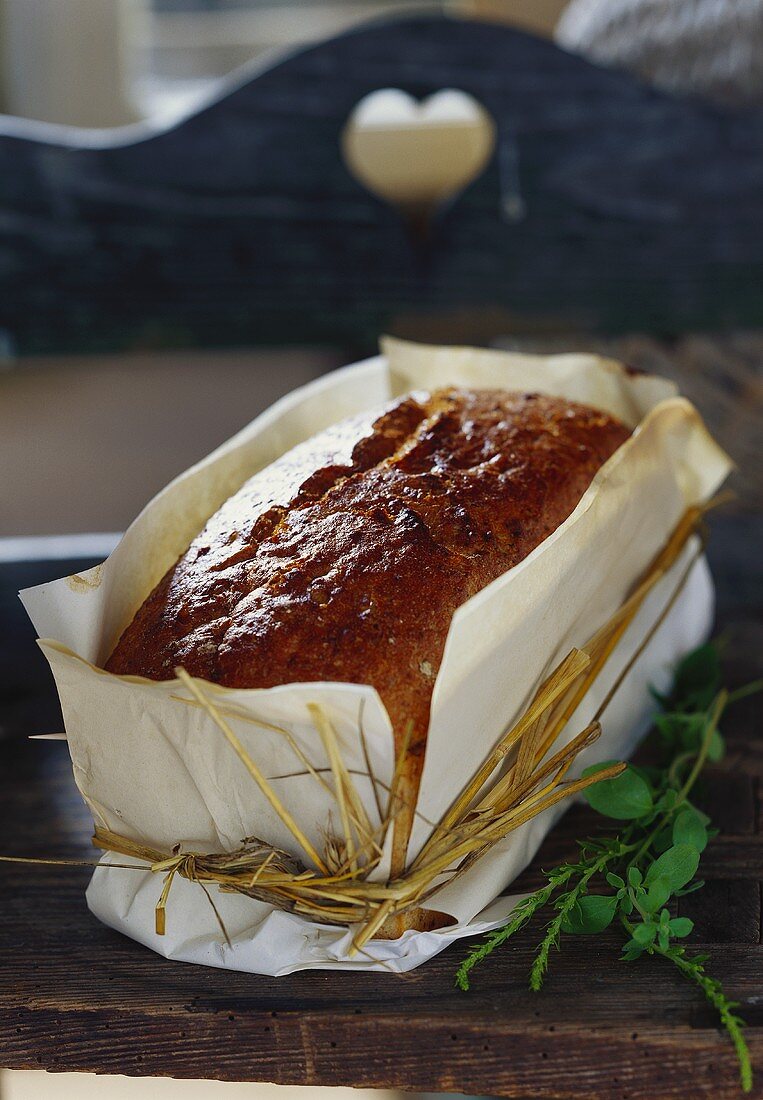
[653,860]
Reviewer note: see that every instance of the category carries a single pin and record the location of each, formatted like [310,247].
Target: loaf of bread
[346,559]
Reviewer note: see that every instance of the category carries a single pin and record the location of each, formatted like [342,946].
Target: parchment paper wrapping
[153,767]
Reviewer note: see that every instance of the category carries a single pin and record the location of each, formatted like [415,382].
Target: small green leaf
[716,750]
[696,885]
[697,678]
[681,730]
[615,880]
[644,933]
[688,829]
[626,797]
[668,800]
[678,865]
[658,893]
[593,913]
[635,878]
[681,926]
[632,950]
[644,773]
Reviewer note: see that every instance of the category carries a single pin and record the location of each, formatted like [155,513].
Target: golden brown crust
[346,559]
[417,920]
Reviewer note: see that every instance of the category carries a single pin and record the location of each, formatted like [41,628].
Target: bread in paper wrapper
[153,766]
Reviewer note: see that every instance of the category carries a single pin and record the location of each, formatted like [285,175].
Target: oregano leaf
[668,799]
[696,885]
[681,926]
[698,678]
[645,933]
[681,730]
[626,797]
[632,950]
[593,913]
[689,829]
[678,865]
[658,893]
[643,772]
[716,750]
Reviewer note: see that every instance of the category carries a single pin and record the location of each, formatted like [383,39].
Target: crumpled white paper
[152,766]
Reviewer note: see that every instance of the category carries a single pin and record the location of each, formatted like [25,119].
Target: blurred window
[101,63]
[184,46]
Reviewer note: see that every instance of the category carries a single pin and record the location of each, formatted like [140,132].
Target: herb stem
[716,710]
[653,858]
[749,689]
[521,914]
[675,768]
[553,932]
[694,971]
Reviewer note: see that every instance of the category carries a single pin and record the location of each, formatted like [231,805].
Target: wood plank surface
[75,995]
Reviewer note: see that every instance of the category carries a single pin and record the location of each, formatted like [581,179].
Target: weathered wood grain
[75,995]
[725,910]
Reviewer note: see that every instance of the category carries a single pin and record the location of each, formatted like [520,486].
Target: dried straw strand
[252,768]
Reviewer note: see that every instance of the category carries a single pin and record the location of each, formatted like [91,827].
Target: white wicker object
[711,48]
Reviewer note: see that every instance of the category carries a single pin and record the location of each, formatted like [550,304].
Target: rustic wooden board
[75,995]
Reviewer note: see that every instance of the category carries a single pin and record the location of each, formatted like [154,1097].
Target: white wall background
[85,443]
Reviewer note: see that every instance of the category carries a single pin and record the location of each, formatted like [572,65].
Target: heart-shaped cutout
[416,154]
